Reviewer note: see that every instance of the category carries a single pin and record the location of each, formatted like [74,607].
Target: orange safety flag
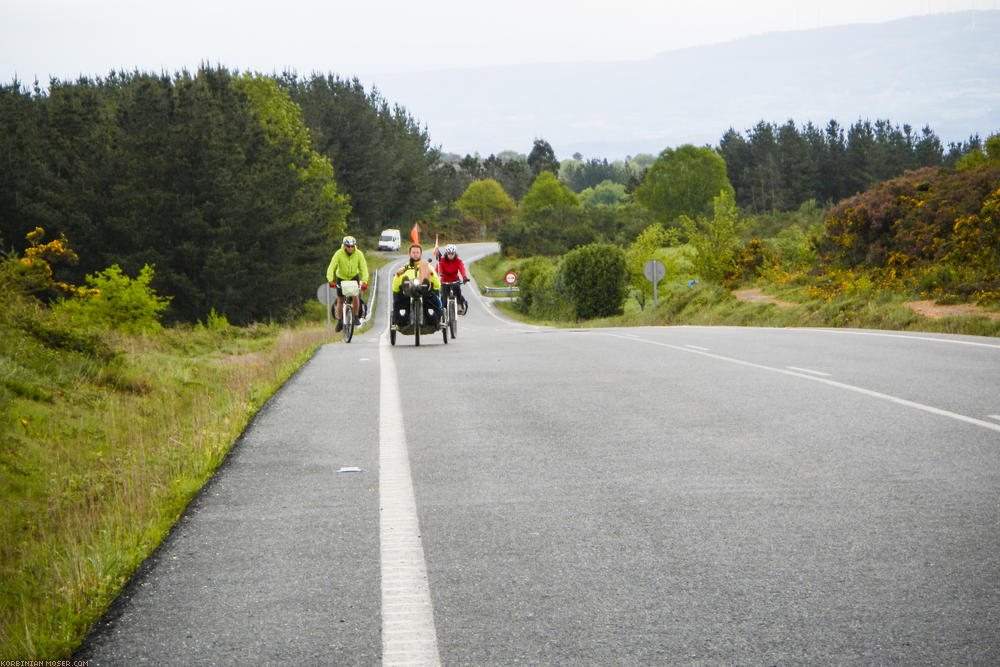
[437,255]
[415,233]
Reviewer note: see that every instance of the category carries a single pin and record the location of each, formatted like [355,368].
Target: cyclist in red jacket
[451,269]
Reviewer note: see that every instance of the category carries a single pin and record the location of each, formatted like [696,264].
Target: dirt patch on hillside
[935,311]
[928,309]
[755,295]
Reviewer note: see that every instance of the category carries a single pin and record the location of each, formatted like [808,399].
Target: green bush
[549,304]
[716,241]
[118,302]
[529,273]
[594,279]
[538,296]
[216,322]
[794,248]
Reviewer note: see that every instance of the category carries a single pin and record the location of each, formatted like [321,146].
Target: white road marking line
[490,306]
[997,417]
[807,370]
[695,347]
[833,383]
[849,332]
[491,309]
[408,633]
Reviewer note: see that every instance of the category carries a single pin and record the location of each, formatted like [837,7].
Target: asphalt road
[660,495]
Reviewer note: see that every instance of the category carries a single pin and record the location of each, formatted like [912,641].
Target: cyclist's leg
[435,303]
[340,310]
[400,302]
[446,292]
[340,303]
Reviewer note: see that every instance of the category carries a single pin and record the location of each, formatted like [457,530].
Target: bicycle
[417,323]
[350,289]
[450,298]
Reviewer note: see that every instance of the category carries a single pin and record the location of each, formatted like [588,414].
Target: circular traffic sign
[654,270]
[326,294]
[510,278]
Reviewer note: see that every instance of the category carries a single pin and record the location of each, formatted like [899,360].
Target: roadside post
[654,272]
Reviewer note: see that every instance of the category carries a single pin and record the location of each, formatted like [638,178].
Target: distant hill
[941,70]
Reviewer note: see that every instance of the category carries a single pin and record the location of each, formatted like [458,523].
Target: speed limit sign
[510,278]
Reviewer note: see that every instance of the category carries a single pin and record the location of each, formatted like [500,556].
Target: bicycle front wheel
[348,323]
[453,316]
[417,317]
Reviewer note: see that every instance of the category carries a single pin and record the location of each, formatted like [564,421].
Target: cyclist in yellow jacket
[416,270]
[348,263]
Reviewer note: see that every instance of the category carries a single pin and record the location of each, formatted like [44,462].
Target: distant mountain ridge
[941,71]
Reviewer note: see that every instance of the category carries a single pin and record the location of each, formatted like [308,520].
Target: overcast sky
[371,39]
[66,38]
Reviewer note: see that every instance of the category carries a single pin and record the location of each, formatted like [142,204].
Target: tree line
[225,183]
[771,167]
[381,156]
[235,188]
[768,169]
[778,168]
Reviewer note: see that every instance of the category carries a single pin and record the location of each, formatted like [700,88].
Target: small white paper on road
[350,469]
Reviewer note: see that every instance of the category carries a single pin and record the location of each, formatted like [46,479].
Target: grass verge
[101,452]
[705,304]
[712,305]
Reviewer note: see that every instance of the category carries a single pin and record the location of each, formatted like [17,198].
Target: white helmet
[450,249]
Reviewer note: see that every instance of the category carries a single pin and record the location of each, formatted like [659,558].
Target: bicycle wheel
[392,320]
[417,317]
[348,322]
[453,316]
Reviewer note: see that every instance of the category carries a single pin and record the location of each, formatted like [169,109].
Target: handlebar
[410,286]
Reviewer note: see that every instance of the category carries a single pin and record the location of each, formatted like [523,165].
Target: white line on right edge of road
[807,370]
[408,633]
[833,383]
[489,305]
[882,334]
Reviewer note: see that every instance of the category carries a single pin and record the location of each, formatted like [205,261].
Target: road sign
[654,270]
[510,278]
[327,296]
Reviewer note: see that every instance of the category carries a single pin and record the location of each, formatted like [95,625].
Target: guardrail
[501,290]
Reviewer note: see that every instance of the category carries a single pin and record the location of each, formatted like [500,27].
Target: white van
[389,240]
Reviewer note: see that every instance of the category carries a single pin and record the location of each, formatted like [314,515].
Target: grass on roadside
[104,439]
[489,271]
[100,452]
[712,305]
[705,304]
